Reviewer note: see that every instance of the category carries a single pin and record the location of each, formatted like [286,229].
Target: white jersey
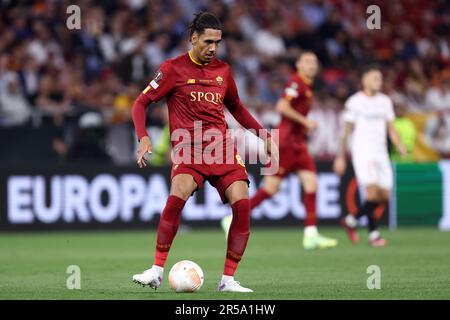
[370,115]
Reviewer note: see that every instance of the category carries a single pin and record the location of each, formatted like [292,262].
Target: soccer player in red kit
[197,85]
[294,106]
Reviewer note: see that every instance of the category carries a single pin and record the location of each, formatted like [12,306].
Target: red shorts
[293,160]
[220,176]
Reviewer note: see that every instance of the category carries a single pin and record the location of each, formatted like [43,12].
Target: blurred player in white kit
[369,114]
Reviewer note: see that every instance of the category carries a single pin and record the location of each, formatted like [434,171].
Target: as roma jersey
[298,92]
[196,95]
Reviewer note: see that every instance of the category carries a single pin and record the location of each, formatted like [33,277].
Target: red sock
[237,236]
[259,197]
[167,228]
[309,200]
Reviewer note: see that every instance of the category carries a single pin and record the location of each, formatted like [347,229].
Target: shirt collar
[305,79]
[195,61]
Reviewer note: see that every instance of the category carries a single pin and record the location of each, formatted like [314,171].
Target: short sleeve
[291,90]
[163,82]
[349,112]
[390,115]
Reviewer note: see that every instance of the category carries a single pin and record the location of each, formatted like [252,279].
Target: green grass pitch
[415,265]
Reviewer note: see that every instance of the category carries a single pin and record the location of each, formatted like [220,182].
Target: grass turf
[415,265]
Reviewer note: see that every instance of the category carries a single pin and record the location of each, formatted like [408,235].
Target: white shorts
[373,169]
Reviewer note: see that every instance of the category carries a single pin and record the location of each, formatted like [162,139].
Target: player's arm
[159,87]
[285,108]
[138,113]
[392,132]
[241,114]
[340,164]
[395,138]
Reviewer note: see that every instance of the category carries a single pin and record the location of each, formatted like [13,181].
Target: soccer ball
[186,276]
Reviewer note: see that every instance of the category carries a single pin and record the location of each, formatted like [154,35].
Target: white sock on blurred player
[374,235]
[351,221]
[311,231]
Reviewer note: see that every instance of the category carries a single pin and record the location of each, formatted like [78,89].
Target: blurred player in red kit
[294,106]
[197,85]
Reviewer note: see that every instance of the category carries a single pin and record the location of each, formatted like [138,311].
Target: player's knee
[272,185]
[372,197]
[310,185]
[237,191]
[181,192]
[309,180]
[272,189]
[385,196]
[372,193]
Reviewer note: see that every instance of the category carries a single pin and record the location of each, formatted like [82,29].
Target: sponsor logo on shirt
[373,115]
[154,83]
[212,97]
[158,76]
[204,81]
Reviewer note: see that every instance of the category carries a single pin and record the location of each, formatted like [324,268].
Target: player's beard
[209,56]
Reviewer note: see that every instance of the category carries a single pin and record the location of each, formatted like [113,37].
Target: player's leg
[384,195]
[374,197]
[384,185]
[367,176]
[237,196]
[375,239]
[311,237]
[272,183]
[183,185]
[271,187]
[370,204]
[308,180]
[367,208]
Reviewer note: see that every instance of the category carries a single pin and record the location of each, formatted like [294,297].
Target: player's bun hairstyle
[204,20]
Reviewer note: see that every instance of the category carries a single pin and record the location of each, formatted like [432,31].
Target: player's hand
[311,125]
[145,146]
[272,150]
[402,150]
[339,165]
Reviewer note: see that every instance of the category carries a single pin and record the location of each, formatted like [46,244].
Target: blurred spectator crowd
[79,83]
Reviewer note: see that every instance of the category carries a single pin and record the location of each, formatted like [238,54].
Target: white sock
[351,221]
[159,269]
[374,235]
[311,231]
[226,278]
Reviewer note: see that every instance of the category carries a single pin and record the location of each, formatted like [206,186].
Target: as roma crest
[219,80]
